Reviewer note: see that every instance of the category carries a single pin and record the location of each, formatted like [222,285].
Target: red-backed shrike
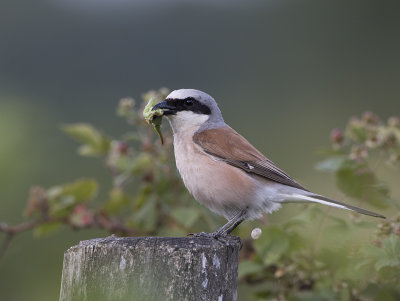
[222,170]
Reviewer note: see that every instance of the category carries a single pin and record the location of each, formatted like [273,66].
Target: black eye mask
[187,104]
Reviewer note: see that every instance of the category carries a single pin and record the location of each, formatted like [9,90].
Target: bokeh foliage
[314,255]
[362,262]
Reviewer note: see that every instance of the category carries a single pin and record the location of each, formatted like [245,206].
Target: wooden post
[151,268]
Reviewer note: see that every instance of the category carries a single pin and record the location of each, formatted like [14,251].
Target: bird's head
[189,108]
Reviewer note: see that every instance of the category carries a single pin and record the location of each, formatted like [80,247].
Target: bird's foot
[203,235]
[222,237]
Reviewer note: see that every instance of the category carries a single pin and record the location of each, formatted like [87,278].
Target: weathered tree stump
[151,268]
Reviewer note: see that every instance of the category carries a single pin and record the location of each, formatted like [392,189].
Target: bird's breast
[221,187]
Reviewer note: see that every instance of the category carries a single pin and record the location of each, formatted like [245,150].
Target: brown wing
[227,145]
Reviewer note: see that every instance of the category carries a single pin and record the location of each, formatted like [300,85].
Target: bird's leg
[225,229]
[231,224]
[234,225]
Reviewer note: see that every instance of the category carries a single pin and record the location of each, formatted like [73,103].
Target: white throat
[185,120]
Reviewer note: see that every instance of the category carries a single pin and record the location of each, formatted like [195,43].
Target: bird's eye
[189,102]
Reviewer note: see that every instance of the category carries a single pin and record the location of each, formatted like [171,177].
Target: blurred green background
[283,72]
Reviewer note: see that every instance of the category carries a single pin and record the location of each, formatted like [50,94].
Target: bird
[225,172]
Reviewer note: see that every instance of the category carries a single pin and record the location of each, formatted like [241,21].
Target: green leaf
[94,142]
[186,216]
[339,225]
[391,256]
[146,217]
[142,197]
[117,201]
[357,133]
[357,180]
[304,216]
[141,163]
[248,267]
[46,229]
[331,164]
[63,198]
[354,178]
[61,206]
[273,245]
[82,190]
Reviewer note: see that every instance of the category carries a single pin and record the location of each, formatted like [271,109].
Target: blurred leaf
[391,255]
[141,163]
[329,151]
[378,292]
[94,142]
[62,206]
[368,255]
[143,195]
[358,181]
[46,229]
[247,267]
[126,107]
[275,244]
[354,178]
[81,190]
[186,216]
[172,232]
[331,164]
[117,201]
[315,296]
[339,225]
[63,198]
[304,216]
[263,295]
[146,217]
[81,217]
[357,133]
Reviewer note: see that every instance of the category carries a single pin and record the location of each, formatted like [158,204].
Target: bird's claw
[203,235]
[221,237]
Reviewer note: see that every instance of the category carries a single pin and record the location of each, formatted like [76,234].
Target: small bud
[358,153]
[390,139]
[125,106]
[118,150]
[37,201]
[81,216]
[337,136]
[394,158]
[123,148]
[354,122]
[256,233]
[279,273]
[374,140]
[394,122]
[370,118]
[377,243]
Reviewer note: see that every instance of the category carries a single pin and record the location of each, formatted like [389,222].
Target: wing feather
[229,146]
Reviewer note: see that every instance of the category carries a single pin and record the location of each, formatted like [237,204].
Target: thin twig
[11,230]
[4,245]
[100,221]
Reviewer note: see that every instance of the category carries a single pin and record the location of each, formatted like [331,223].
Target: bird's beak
[168,109]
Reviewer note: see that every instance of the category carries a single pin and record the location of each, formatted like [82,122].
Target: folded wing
[227,145]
